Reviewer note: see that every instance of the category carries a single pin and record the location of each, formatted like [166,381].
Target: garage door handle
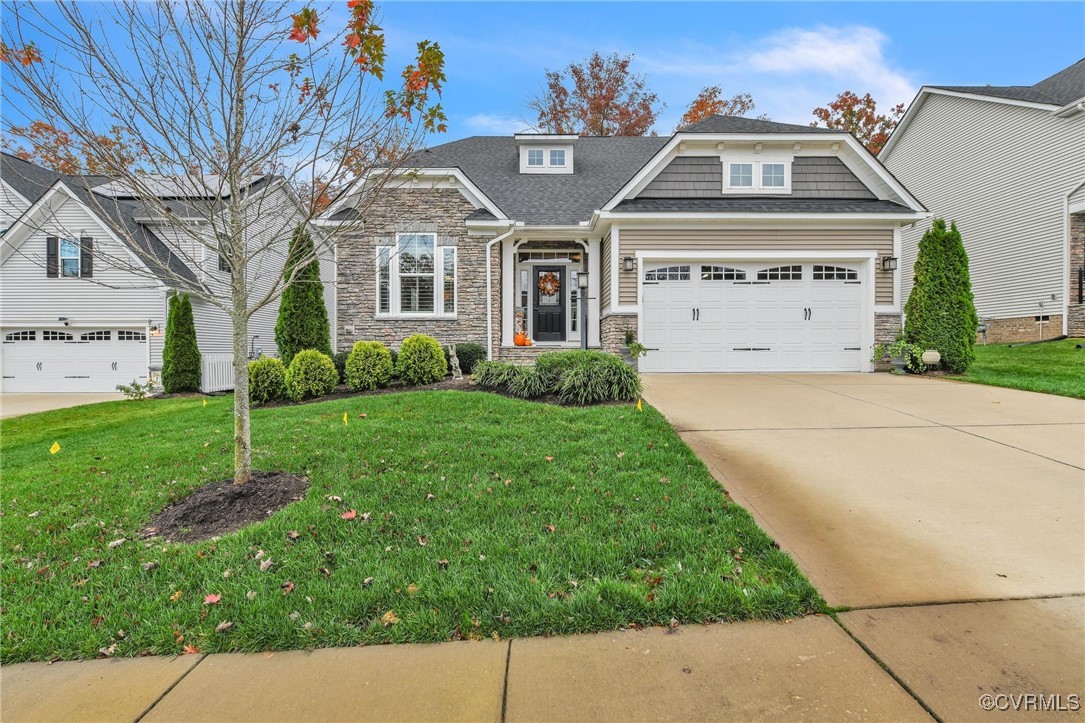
[39,366]
[114,366]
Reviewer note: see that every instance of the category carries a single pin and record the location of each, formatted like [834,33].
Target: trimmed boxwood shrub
[180,354]
[421,360]
[310,374]
[574,377]
[340,359]
[469,354]
[369,366]
[267,380]
[940,312]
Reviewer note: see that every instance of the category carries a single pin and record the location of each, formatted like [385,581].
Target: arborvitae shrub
[180,354]
[303,318]
[267,380]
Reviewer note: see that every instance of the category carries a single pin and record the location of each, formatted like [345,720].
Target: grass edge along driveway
[1052,367]
[487,517]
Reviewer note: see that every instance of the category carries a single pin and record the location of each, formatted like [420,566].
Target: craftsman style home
[1007,163]
[86,269]
[733,245]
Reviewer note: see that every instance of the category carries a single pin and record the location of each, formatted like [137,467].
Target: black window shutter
[52,263]
[86,257]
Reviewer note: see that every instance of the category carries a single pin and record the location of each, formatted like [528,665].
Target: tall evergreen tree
[180,354]
[940,312]
[303,318]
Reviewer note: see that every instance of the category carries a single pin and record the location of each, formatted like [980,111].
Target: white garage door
[72,360]
[742,317]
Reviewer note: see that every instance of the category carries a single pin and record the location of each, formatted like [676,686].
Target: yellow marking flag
[344,419]
[640,406]
[205,402]
[55,448]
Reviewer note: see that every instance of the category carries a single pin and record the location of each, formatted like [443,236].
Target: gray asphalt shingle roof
[29,181]
[1060,89]
[735,124]
[748,204]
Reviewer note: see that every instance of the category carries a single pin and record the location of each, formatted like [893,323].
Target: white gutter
[489,292]
[1066,258]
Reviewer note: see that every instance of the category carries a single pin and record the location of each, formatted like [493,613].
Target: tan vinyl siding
[700,241]
[1002,173]
[604,276]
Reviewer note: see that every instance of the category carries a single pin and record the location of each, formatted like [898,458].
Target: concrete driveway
[898,495]
[18,404]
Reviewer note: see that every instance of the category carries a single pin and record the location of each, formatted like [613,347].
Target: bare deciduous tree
[233,108]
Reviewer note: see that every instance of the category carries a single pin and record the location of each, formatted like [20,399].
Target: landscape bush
[940,312]
[340,359]
[303,317]
[310,374]
[421,361]
[469,354]
[369,366]
[574,377]
[267,380]
[180,354]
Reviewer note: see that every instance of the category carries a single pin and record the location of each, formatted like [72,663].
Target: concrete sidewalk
[808,668]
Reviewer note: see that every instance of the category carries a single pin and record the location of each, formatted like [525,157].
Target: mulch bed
[217,508]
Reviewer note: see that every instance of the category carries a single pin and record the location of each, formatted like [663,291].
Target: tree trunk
[242,432]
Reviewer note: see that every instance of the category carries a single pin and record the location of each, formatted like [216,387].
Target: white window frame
[731,174]
[394,301]
[783,175]
[757,160]
[550,157]
[61,257]
[542,157]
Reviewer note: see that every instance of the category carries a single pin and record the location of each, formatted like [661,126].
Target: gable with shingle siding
[702,177]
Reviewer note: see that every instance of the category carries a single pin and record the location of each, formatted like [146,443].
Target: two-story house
[732,245]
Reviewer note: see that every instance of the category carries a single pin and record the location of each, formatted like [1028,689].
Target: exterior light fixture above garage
[627,263]
[889,263]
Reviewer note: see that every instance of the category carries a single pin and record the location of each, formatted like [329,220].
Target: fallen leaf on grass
[149,566]
[333,498]
[549,458]
[94,563]
[287,587]
[621,454]
[265,564]
[211,599]
[223,626]
[412,589]
[191,650]
[349,514]
[96,620]
[443,564]
[550,528]
[367,582]
[176,596]
[423,540]
[107,652]
[293,534]
[117,543]
[389,619]
[251,594]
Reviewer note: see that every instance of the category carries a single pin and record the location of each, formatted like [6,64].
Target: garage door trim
[864,259]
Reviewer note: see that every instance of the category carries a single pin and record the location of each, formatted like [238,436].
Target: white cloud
[497,124]
[789,72]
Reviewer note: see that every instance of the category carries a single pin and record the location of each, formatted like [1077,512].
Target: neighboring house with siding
[86,271]
[733,245]
[1007,164]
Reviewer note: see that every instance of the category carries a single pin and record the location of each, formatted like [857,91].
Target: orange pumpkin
[520,339]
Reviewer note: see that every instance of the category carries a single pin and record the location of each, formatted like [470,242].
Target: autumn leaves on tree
[860,117]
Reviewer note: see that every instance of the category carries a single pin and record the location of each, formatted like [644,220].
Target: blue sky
[790,56]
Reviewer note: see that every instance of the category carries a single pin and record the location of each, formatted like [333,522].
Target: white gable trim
[853,154]
[22,230]
[927,91]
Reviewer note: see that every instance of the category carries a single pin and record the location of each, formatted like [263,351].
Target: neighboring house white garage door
[72,360]
[749,317]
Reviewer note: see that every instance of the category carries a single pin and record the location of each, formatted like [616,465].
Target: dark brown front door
[549,303]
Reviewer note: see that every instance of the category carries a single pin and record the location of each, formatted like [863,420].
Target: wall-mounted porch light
[627,263]
[154,329]
[889,263]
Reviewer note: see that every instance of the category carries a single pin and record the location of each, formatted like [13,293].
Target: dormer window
[772,175]
[741,175]
[756,173]
[546,152]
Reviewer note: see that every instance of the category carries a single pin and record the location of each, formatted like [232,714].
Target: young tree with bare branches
[230,110]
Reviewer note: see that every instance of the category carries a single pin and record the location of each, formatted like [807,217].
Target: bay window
[416,277]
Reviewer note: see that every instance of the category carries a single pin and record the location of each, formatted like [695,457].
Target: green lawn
[640,530]
[1055,367]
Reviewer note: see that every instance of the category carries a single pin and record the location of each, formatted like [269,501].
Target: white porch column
[508,287]
[595,280]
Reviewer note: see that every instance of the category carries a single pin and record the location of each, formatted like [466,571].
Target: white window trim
[78,257]
[757,186]
[550,158]
[394,310]
[542,158]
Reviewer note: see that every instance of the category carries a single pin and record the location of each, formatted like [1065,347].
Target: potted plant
[903,356]
[631,349]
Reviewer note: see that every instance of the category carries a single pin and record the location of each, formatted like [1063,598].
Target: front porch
[542,297]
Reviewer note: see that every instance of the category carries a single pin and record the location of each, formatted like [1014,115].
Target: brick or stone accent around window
[440,211]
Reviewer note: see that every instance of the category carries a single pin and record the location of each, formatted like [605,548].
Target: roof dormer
[545,152]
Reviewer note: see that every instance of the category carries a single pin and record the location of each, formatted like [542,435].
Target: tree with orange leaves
[223,92]
[600,96]
[860,117]
[710,102]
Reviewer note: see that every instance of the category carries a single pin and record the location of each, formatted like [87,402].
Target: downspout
[489,292]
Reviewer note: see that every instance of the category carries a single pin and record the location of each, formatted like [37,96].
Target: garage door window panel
[834,273]
[17,336]
[781,273]
[50,335]
[722,273]
[125,335]
[96,336]
[668,273]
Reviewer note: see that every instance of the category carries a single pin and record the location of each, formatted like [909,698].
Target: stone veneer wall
[1075,319]
[612,330]
[886,328]
[1020,328]
[440,211]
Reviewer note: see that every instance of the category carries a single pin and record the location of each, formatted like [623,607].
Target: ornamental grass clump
[573,377]
[267,380]
[421,361]
[310,375]
[369,366]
